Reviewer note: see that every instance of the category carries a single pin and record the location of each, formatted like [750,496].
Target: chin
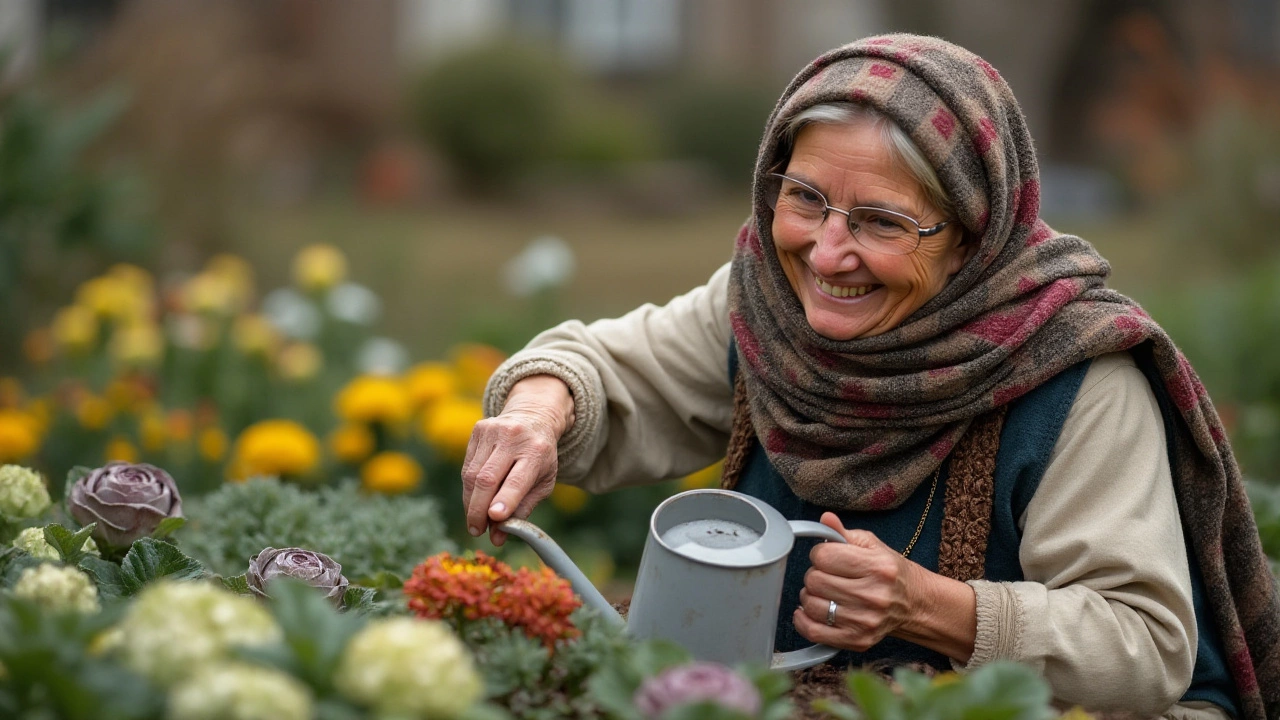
[834,330]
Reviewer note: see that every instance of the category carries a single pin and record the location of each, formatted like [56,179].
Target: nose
[834,249]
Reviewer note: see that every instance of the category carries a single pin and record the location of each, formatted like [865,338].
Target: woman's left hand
[871,583]
[878,593]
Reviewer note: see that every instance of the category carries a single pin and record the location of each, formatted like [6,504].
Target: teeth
[838,291]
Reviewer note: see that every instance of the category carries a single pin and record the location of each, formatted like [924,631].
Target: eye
[882,222]
[801,195]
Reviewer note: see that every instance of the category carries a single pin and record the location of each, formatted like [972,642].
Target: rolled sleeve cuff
[1000,620]
[584,384]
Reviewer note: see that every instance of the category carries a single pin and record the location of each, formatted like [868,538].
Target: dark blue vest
[1031,429]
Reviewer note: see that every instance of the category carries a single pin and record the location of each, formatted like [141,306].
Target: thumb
[861,538]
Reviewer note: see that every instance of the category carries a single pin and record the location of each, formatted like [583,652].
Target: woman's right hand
[511,461]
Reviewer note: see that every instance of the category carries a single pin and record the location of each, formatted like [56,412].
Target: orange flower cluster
[454,588]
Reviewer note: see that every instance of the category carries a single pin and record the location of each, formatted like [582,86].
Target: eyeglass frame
[921,232]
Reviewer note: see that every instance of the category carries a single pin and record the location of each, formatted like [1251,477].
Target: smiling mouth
[842,291]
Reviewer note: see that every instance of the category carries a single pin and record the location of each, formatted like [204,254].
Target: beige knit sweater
[1105,611]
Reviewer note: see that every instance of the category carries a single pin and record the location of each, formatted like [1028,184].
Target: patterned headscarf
[859,424]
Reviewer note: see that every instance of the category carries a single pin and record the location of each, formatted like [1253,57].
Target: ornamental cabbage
[409,668]
[32,542]
[238,691]
[22,492]
[315,569]
[127,501]
[57,588]
[696,683]
[173,628]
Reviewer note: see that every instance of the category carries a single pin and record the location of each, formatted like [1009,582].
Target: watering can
[710,577]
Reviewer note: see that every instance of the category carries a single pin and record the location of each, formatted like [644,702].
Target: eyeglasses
[875,229]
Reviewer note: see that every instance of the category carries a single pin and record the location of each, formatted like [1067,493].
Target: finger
[478,450]
[856,537]
[520,479]
[488,479]
[541,491]
[815,606]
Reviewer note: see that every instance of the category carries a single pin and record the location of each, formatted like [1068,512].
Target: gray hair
[898,143]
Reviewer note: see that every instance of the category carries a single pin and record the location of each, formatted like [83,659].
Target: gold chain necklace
[927,505]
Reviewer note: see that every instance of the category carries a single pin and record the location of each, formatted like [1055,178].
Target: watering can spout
[559,561]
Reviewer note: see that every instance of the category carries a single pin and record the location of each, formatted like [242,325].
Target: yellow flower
[448,424]
[707,477]
[127,394]
[428,382]
[299,361]
[137,344]
[254,335]
[351,443]
[209,293]
[113,297]
[19,435]
[391,473]
[568,499]
[212,444]
[75,328]
[38,346]
[152,431]
[275,447]
[370,399]
[319,267]
[474,363]
[94,413]
[119,448]
[41,411]
[133,277]
[237,277]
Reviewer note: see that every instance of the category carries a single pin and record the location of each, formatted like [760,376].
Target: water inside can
[710,533]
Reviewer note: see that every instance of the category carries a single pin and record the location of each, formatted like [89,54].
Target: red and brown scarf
[859,424]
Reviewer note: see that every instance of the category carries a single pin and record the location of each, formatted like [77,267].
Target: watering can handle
[814,654]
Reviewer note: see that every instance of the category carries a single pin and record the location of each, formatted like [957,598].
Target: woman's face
[850,164]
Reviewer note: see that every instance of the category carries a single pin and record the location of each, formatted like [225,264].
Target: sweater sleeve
[1105,610]
[651,389]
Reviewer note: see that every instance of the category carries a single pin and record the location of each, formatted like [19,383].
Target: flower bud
[315,569]
[127,501]
[696,683]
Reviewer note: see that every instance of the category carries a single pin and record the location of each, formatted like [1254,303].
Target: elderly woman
[1024,465]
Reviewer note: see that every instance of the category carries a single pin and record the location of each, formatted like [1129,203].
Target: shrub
[365,533]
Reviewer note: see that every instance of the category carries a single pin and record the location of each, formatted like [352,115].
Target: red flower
[449,588]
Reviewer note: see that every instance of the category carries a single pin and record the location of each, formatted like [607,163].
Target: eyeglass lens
[876,229]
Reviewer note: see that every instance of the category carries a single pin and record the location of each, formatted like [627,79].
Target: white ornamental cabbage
[174,628]
[22,492]
[404,667]
[32,542]
[238,691]
[57,588]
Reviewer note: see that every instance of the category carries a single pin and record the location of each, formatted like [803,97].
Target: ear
[962,252]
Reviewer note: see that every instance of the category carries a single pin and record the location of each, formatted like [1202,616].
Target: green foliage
[52,206]
[148,560]
[999,691]
[365,533]
[492,111]
[70,545]
[51,671]
[1228,332]
[521,675]
[719,123]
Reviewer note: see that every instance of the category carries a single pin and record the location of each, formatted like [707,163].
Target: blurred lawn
[439,270]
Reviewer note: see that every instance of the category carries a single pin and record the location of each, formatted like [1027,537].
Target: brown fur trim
[741,436]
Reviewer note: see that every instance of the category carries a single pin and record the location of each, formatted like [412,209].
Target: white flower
[22,492]
[354,303]
[546,262]
[382,356]
[56,588]
[32,542]
[408,667]
[238,691]
[291,313]
[173,628]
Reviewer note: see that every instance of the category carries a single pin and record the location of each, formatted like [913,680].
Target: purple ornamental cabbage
[127,501]
[315,569]
[695,683]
